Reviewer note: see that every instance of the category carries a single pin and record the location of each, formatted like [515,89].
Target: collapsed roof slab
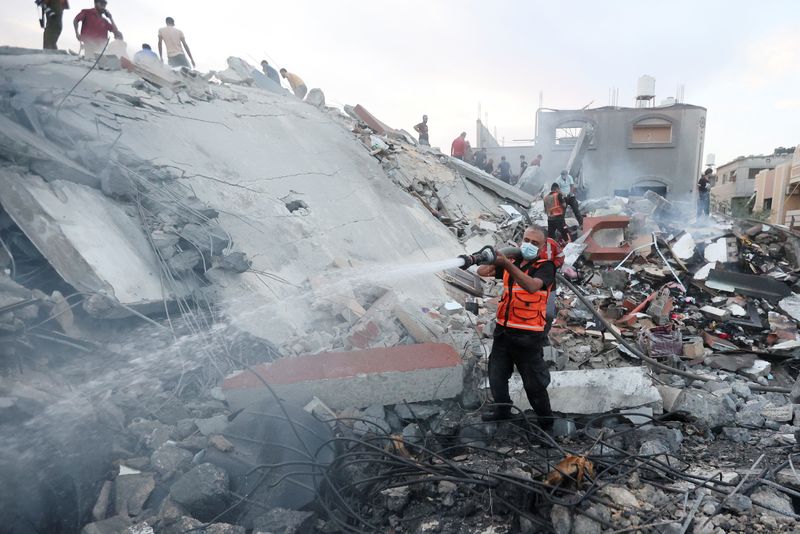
[358,379]
[248,154]
[87,238]
[503,190]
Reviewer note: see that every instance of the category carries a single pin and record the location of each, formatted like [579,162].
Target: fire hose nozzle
[484,256]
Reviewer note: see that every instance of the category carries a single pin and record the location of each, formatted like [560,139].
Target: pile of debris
[277,374]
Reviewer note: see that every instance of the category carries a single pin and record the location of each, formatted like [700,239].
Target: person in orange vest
[555,206]
[522,321]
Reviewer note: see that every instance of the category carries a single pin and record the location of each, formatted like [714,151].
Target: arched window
[652,131]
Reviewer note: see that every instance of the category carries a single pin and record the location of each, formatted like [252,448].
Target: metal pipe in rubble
[633,349]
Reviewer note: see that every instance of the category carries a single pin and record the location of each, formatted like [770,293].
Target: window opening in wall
[751,175]
[652,131]
[767,204]
[567,133]
[733,176]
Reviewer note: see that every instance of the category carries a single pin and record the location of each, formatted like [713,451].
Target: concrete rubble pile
[225,287]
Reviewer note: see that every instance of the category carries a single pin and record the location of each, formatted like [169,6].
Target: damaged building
[650,147]
[224,309]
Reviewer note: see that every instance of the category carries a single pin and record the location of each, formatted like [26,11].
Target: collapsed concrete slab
[88,239]
[594,391]
[406,373]
[504,190]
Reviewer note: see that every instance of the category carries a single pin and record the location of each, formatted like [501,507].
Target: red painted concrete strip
[328,365]
[370,120]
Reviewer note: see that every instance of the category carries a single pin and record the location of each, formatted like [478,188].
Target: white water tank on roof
[645,87]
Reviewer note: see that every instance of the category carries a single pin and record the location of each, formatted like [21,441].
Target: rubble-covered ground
[160,231]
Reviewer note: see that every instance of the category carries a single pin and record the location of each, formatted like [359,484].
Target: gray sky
[740,59]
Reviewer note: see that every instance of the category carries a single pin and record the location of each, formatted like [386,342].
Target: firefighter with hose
[524,314]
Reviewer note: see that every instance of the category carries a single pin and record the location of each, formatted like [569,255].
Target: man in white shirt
[175,42]
[566,184]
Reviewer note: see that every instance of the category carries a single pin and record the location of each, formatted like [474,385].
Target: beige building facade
[777,193]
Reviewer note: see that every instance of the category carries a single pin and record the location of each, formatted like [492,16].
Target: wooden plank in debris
[502,189]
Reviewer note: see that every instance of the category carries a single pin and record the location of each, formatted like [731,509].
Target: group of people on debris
[93,25]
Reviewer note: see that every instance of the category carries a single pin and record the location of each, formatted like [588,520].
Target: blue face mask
[529,251]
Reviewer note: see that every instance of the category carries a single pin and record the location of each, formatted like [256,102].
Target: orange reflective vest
[553,205]
[522,309]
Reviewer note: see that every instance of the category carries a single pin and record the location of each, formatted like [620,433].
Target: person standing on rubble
[522,165]
[522,318]
[459,146]
[52,21]
[489,168]
[555,206]
[175,42]
[567,185]
[505,170]
[296,83]
[422,130]
[480,158]
[704,193]
[95,24]
[270,72]
[537,161]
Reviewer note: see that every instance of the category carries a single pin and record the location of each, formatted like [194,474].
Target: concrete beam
[502,189]
[355,379]
[595,391]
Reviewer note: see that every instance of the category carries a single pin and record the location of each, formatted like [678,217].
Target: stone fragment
[220,443]
[561,518]
[412,433]
[203,491]
[621,496]
[100,510]
[169,459]
[586,525]
[778,504]
[212,425]
[112,525]
[227,528]
[131,492]
[396,498]
[316,97]
[209,238]
[184,262]
[738,503]
[447,491]
[705,407]
[237,262]
[737,435]
[760,368]
[749,418]
[781,414]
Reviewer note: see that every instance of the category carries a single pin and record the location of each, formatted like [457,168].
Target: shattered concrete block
[355,379]
[760,368]
[781,414]
[131,492]
[594,391]
[184,262]
[115,184]
[208,238]
[203,491]
[396,498]
[281,520]
[169,459]
[706,407]
[237,262]
[112,525]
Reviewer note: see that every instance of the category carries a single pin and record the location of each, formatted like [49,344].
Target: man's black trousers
[522,349]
